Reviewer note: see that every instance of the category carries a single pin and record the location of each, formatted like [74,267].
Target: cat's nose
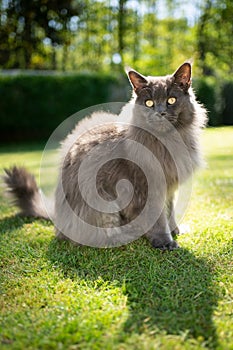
[160,109]
[163,114]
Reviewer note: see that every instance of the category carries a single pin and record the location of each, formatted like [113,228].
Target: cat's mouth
[162,123]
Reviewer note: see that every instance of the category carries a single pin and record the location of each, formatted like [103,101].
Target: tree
[214,37]
[26,24]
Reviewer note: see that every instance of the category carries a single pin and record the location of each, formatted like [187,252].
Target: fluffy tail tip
[22,187]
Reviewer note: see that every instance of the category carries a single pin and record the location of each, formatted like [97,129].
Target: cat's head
[167,100]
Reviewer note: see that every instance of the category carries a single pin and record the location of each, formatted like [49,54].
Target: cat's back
[100,129]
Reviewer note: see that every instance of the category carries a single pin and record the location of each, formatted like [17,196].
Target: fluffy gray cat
[118,174]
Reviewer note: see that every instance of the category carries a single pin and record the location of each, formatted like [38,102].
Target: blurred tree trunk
[121,28]
[54,58]
[202,40]
[64,57]
[136,43]
[28,42]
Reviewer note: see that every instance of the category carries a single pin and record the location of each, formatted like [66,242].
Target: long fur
[24,192]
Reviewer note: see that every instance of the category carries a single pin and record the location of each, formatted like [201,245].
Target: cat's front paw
[175,232]
[170,245]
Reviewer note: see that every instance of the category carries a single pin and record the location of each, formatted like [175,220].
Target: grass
[57,296]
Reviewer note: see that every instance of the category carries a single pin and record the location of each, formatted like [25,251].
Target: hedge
[32,106]
[217,96]
[206,94]
[227,103]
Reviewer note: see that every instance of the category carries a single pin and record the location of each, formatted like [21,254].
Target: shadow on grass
[171,292]
[14,222]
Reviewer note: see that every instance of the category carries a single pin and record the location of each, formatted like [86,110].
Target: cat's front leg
[160,236]
[174,229]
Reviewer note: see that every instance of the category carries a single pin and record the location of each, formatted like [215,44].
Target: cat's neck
[151,140]
[175,142]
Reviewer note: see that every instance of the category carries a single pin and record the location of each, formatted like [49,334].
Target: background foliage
[33,106]
[152,35]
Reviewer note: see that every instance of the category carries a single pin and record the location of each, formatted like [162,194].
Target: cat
[144,153]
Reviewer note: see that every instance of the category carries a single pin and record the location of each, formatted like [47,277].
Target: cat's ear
[182,76]
[137,80]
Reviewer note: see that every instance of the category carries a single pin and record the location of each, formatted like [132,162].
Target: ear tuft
[183,76]
[137,80]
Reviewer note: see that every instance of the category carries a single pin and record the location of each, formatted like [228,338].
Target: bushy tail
[25,192]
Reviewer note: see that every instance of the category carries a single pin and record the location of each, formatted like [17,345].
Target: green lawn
[56,296]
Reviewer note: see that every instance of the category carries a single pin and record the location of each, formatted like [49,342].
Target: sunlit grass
[56,296]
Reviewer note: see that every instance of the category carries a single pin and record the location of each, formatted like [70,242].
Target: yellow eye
[149,103]
[171,100]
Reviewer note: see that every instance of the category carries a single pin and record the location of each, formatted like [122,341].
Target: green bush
[207,93]
[227,103]
[33,106]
